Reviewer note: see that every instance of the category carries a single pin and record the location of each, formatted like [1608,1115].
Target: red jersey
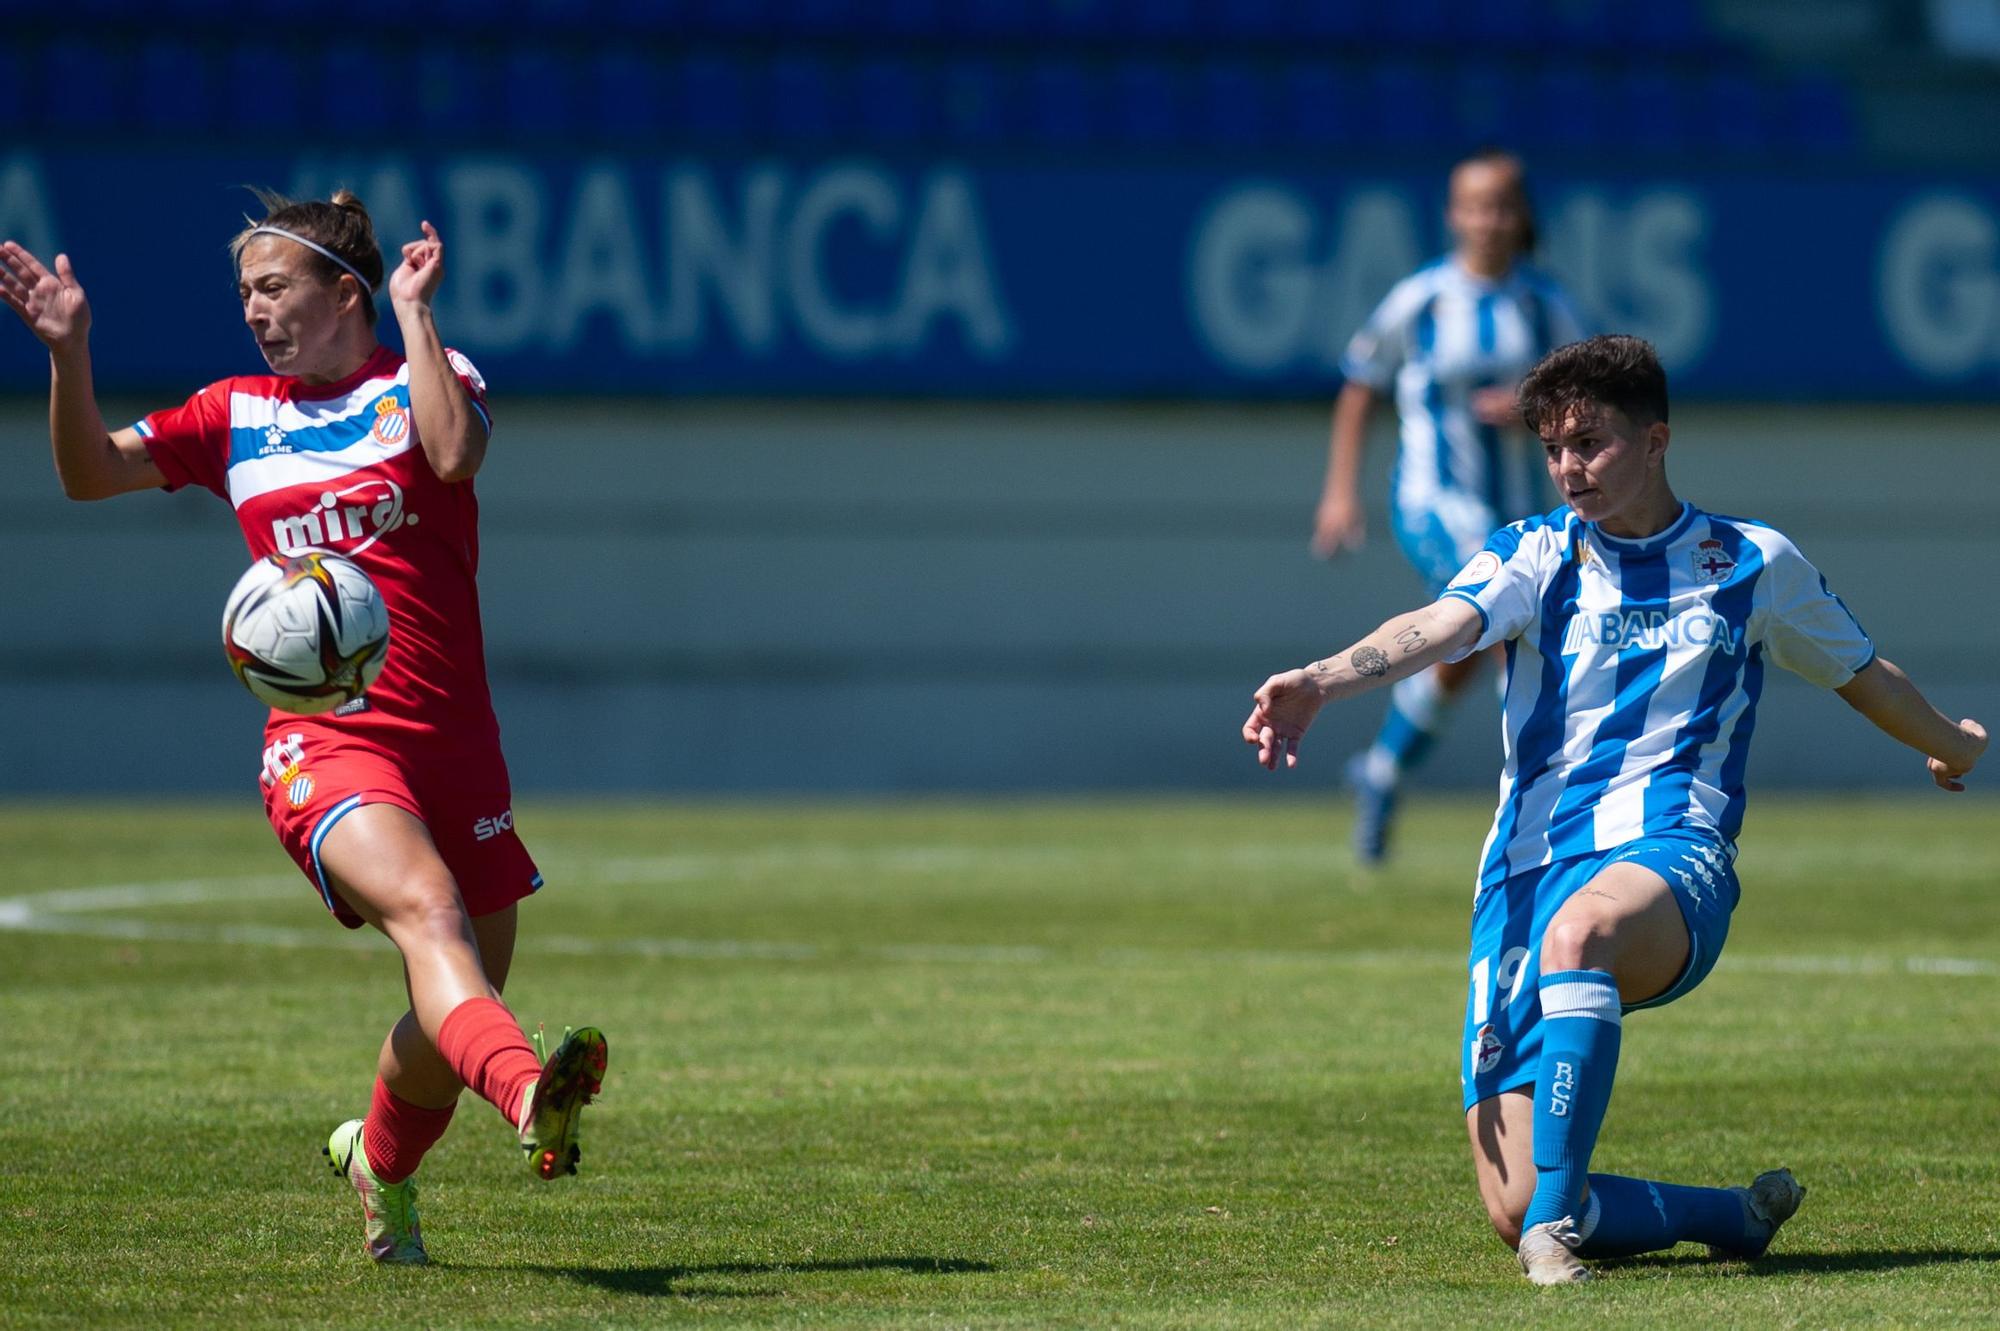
[338,467]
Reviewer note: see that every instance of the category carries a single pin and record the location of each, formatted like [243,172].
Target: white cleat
[1548,1254]
[1772,1198]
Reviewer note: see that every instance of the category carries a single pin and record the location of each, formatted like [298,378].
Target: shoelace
[540,1040]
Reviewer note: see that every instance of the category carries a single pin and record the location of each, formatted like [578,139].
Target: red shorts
[314,778]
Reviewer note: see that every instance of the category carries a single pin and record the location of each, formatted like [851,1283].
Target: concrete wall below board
[893,597]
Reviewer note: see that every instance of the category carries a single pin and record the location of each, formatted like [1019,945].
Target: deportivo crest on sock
[1711,561]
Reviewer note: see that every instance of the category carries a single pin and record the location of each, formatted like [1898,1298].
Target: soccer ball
[306,632]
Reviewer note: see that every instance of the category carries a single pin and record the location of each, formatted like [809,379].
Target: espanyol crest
[1712,562]
[391,421]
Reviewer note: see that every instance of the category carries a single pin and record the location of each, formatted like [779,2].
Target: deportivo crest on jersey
[1712,561]
[299,791]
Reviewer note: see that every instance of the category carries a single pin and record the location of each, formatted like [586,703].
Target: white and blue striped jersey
[1633,672]
[1440,335]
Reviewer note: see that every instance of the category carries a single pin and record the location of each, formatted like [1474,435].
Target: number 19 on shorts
[1501,981]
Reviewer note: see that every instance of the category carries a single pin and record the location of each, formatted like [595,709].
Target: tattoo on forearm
[1369,662]
[1411,639]
[1325,671]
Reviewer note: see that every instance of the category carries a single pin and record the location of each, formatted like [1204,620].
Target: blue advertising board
[863,275]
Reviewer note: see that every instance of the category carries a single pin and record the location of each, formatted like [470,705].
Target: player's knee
[1574,944]
[431,912]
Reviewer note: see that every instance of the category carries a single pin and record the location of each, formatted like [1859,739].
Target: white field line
[924,861]
[86,912]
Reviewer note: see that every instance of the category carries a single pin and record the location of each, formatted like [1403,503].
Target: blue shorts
[1502,1048]
[1441,537]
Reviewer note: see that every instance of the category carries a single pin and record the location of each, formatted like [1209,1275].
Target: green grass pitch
[1135,1063]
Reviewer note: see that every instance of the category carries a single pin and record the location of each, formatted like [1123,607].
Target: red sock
[397,1133]
[485,1047]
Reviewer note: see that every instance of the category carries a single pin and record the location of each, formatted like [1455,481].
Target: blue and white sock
[1417,711]
[1628,1216]
[1580,1033]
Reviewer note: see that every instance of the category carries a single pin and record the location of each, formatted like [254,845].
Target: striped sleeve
[1807,629]
[1504,581]
[1379,347]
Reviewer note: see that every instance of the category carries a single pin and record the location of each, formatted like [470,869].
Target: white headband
[366,285]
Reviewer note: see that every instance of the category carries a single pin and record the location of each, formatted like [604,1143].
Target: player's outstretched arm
[1286,704]
[1885,695]
[1341,523]
[91,462]
[451,432]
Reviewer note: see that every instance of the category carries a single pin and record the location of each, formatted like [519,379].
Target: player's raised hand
[1340,524]
[416,279]
[1951,775]
[1283,708]
[52,304]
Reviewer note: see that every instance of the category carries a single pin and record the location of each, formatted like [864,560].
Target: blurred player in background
[1636,630]
[397,806]
[1453,340]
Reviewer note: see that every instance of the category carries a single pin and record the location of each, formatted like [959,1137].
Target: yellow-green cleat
[552,1109]
[388,1210]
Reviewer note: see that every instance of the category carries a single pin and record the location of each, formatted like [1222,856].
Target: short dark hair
[1613,370]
